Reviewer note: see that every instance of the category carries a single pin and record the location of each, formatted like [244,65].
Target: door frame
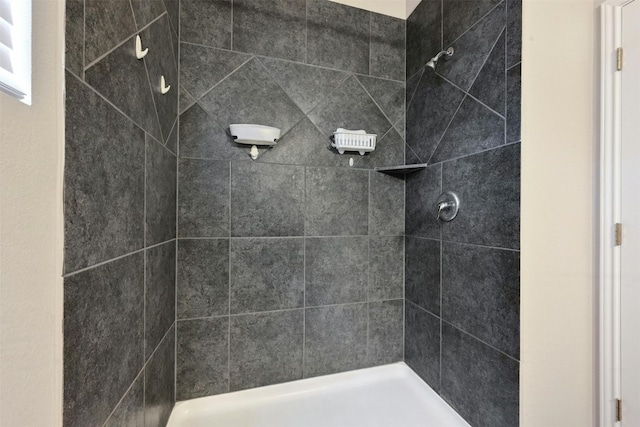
[609,281]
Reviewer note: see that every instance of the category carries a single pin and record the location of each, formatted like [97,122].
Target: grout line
[84,37]
[284,164]
[502,116]
[354,236]
[304,279]
[441,281]
[230,166]
[138,376]
[231,42]
[480,340]
[435,149]
[375,102]
[306,38]
[441,25]
[476,23]
[514,65]
[476,153]
[506,73]
[370,37]
[129,37]
[153,99]
[223,79]
[408,104]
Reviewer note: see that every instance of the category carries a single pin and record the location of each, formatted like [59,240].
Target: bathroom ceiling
[397,8]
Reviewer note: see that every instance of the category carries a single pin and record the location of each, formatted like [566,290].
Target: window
[15,49]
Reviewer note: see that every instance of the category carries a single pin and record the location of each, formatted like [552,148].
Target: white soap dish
[354,140]
[254,134]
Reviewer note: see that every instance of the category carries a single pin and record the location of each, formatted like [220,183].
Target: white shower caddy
[354,140]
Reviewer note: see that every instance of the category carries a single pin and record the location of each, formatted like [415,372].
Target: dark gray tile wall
[120,213]
[462,296]
[292,265]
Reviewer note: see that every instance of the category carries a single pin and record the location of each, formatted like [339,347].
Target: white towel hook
[163,86]
[140,53]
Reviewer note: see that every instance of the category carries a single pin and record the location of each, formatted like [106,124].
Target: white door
[630,217]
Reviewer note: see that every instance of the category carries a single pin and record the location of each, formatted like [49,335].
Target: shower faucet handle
[448,206]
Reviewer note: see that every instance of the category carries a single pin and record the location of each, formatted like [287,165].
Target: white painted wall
[397,8]
[559,153]
[31,235]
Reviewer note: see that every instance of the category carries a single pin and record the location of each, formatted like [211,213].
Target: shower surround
[191,270]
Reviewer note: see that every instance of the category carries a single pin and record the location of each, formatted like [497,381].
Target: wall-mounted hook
[140,53]
[163,86]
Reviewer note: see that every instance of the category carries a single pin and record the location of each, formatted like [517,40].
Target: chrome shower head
[434,61]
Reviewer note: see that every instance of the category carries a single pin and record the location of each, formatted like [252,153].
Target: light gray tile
[104,218]
[103,338]
[336,270]
[266,200]
[160,194]
[266,274]
[159,383]
[338,36]
[337,202]
[202,357]
[203,205]
[203,278]
[160,294]
[275,28]
[335,339]
[206,22]
[386,268]
[266,349]
[386,205]
[385,332]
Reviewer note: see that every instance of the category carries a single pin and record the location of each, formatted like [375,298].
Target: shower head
[434,61]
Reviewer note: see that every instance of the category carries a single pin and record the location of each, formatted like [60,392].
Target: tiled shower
[192,270]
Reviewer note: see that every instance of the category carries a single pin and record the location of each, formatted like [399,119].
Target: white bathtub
[385,396]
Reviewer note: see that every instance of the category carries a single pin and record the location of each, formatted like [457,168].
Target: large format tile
[473,48]
[107,23]
[423,34]
[267,200]
[473,129]
[104,180]
[202,137]
[103,338]
[386,204]
[335,339]
[203,278]
[480,383]
[337,202]
[422,344]
[173,10]
[130,411]
[123,80]
[488,185]
[514,32]
[306,85]
[388,37]
[160,294]
[489,86]
[338,36]
[203,200]
[202,357]
[186,100]
[386,268]
[266,274]
[270,27]
[336,270]
[74,37]
[201,67]
[349,107]
[389,152]
[514,95]
[172,141]
[206,22]
[160,194]
[460,15]
[422,273]
[411,86]
[145,11]
[266,349]
[433,106]
[160,62]
[304,145]
[481,294]
[386,329]
[250,95]
[388,94]
[159,383]
[422,191]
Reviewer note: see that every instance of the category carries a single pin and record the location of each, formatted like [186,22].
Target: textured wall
[120,213]
[463,277]
[290,266]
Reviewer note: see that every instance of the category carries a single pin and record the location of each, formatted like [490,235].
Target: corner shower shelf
[403,169]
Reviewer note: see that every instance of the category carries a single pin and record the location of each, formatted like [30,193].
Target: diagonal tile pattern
[489,86]
[388,94]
